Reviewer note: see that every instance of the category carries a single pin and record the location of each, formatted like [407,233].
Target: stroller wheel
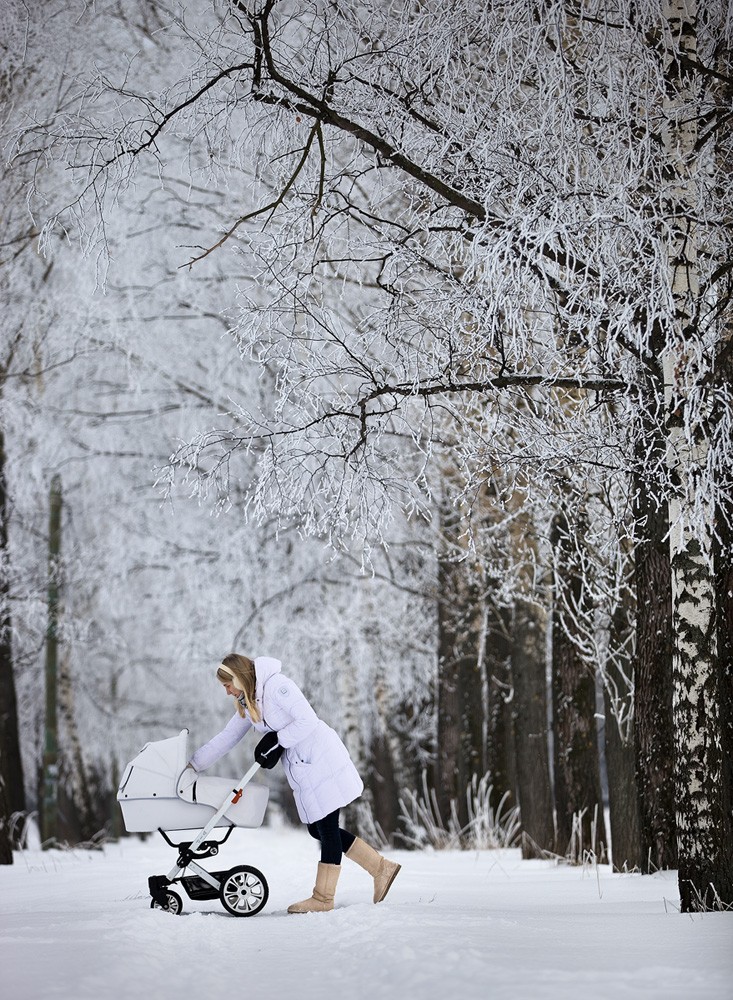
[243,891]
[174,903]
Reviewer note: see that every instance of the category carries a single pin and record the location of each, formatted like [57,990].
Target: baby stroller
[156,794]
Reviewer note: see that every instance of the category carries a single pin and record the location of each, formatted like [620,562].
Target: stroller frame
[242,890]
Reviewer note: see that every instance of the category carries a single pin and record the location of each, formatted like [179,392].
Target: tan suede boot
[382,871]
[323,892]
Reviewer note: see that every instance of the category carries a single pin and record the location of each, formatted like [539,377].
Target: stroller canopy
[154,772]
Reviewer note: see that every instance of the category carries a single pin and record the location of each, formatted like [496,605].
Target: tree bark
[383,786]
[578,796]
[500,749]
[381,778]
[705,876]
[724,587]
[724,601]
[530,726]
[49,813]
[79,815]
[11,768]
[724,514]
[653,724]
[623,793]
[618,731]
[461,751]
[723,553]
[6,846]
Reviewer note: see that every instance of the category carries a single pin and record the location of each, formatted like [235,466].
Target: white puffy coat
[317,764]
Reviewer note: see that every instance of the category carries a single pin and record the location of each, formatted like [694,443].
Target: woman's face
[230,689]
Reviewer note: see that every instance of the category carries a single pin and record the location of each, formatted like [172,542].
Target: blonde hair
[241,670]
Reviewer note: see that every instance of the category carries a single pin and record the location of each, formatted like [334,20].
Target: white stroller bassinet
[156,794]
[152,796]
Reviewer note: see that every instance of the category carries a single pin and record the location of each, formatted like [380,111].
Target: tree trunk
[359,814]
[79,815]
[653,725]
[6,846]
[724,601]
[724,514]
[460,702]
[381,777]
[383,786]
[529,711]
[11,769]
[623,792]
[578,796]
[618,731]
[724,586]
[500,751]
[49,814]
[705,876]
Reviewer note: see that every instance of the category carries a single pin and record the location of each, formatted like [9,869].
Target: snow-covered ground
[77,924]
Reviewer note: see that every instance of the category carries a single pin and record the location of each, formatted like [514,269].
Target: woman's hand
[268,751]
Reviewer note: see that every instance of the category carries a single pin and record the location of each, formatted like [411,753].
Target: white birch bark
[686,363]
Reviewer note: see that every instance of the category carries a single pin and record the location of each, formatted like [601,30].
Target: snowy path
[76,925]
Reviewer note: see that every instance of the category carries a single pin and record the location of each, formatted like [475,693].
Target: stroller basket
[197,888]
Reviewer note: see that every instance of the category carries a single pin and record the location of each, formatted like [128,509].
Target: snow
[77,924]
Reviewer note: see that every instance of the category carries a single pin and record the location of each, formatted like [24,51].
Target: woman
[317,765]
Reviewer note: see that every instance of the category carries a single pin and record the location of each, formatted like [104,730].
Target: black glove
[268,751]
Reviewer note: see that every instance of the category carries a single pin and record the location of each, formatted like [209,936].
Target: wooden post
[50,750]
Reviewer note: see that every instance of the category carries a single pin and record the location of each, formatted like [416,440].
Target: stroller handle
[237,791]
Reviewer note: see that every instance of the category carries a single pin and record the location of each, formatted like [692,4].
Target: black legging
[334,840]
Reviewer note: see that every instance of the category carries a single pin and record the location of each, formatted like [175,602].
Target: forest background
[392,339]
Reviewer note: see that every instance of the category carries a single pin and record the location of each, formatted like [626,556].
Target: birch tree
[693,340]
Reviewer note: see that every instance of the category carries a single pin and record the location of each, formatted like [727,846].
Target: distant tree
[531,728]
[6,840]
[12,798]
[24,357]
[653,715]
[460,751]
[578,796]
